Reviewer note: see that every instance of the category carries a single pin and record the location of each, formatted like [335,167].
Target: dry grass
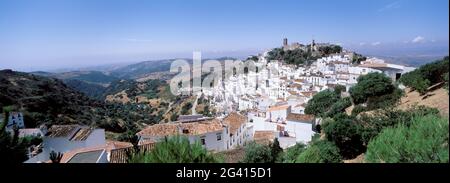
[436,99]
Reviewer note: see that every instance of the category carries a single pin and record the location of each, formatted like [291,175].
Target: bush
[321,103]
[291,154]
[425,141]
[257,153]
[275,150]
[374,124]
[358,109]
[339,106]
[427,75]
[175,150]
[385,101]
[371,85]
[344,131]
[339,89]
[320,152]
[376,90]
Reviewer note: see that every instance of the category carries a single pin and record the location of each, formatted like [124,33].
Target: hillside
[93,77]
[438,99]
[91,83]
[141,69]
[45,99]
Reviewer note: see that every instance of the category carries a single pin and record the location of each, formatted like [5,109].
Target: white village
[260,105]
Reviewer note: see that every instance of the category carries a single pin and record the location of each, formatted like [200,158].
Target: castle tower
[285,42]
[313,45]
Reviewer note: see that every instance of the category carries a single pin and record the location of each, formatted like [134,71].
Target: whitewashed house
[278,113]
[213,134]
[300,126]
[15,120]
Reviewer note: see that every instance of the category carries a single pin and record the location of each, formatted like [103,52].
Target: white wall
[303,131]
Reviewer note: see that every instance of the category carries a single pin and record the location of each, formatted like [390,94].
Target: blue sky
[48,34]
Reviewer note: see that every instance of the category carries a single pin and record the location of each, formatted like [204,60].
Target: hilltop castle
[313,46]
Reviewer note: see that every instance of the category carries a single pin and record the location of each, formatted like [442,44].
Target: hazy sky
[36,34]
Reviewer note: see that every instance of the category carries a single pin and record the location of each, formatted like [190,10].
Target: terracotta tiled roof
[278,108]
[118,144]
[160,130]
[121,155]
[74,132]
[300,118]
[234,121]
[203,127]
[296,85]
[189,128]
[264,137]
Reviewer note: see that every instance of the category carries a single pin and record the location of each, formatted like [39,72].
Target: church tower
[285,42]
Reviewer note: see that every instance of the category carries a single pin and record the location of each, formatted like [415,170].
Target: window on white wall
[219,136]
[202,140]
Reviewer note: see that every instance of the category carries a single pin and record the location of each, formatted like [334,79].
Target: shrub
[427,75]
[257,153]
[275,150]
[358,109]
[425,141]
[320,152]
[339,89]
[321,103]
[374,124]
[175,150]
[344,131]
[291,154]
[369,85]
[339,106]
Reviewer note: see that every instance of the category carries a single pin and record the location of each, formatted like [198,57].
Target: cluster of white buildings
[259,105]
[274,96]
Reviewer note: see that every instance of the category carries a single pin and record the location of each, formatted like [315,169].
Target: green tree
[374,123]
[257,153]
[276,150]
[321,103]
[320,152]
[344,131]
[425,141]
[339,107]
[176,149]
[186,109]
[339,89]
[373,86]
[426,75]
